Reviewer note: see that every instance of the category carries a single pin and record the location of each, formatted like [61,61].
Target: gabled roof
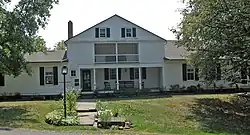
[122,19]
[47,57]
[172,52]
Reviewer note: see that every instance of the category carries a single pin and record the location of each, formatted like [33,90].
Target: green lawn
[31,114]
[188,115]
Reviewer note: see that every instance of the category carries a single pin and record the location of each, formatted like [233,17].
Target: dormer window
[102,32]
[128,32]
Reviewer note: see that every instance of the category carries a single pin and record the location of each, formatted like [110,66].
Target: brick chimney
[70,29]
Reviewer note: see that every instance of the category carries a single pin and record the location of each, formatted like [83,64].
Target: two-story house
[112,55]
[116,54]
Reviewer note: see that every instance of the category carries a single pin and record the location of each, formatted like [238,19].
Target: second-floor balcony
[116,53]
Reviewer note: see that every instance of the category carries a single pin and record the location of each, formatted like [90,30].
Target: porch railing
[122,58]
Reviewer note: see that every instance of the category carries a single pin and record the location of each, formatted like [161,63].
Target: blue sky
[158,16]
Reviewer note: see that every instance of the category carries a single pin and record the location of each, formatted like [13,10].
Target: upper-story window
[102,32]
[128,32]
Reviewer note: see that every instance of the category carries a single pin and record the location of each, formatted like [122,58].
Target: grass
[189,115]
[30,115]
[185,115]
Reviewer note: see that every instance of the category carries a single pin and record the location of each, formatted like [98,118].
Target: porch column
[117,79]
[94,74]
[116,52]
[163,78]
[140,84]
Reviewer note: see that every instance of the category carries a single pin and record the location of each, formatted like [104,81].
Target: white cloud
[158,16]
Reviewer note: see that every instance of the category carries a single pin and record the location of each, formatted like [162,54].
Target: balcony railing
[111,58]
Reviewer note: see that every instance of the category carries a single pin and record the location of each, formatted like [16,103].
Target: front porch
[114,79]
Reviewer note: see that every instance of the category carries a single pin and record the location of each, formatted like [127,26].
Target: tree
[60,45]
[216,32]
[40,44]
[18,32]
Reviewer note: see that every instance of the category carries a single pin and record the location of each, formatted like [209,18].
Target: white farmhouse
[112,55]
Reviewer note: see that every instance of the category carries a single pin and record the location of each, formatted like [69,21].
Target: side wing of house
[179,72]
[45,79]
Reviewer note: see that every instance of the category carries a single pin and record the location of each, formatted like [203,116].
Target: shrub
[105,117]
[174,87]
[129,92]
[115,111]
[100,106]
[199,87]
[71,98]
[192,88]
[56,117]
[17,95]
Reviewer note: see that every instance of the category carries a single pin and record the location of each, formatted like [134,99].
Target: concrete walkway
[86,112]
[7,131]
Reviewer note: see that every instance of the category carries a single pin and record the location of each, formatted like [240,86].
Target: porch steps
[86,112]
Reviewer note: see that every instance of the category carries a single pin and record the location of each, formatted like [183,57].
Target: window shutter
[184,72]
[119,73]
[218,77]
[2,80]
[196,74]
[144,73]
[123,32]
[97,32]
[132,73]
[41,75]
[134,32]
[108,32]
[106,74]
[55,75]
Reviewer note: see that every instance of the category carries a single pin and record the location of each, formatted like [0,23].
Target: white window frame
[131,32]
[48,74]
[102,34]
[190,70]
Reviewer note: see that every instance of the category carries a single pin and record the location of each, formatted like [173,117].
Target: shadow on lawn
[219,116]
[14,117]
[123,98]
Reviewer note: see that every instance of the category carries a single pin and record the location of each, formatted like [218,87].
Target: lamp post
[64,72]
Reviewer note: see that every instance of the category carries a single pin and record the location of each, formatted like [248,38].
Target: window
[112,73]
[102,32]
[128,32]
[76,82]
[190,73]
[49,79]
[134,73]
[73,73]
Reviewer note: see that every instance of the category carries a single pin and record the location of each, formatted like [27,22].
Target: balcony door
[86,79]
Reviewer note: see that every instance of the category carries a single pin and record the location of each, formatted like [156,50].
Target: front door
[86,80]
